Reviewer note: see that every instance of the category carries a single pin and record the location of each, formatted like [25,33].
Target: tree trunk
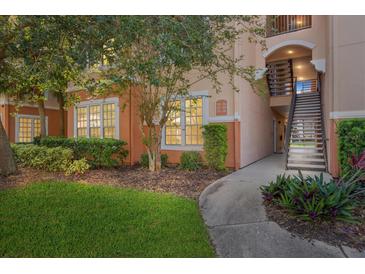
[61,102]
[151,160]
[42,116]
[158,149]
[7,163]
[154,149]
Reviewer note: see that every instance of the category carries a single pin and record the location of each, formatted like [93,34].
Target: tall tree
[159,53]
[40,55]
[7,162]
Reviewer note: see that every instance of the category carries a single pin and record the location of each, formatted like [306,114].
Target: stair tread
[306,153]
[305,147]
[306,159]
[306,166]
[306,138]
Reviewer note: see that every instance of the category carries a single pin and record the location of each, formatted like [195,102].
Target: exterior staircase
[280,77]
[306,141]
[305,147]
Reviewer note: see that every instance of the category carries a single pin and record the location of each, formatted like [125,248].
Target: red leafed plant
[359,161]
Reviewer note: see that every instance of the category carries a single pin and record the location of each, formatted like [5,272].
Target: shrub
[98,152]
[351,141]
[190,160]
[144,161]
[77,167]
[215,145]
[49,159]
[312,198]
[358,162]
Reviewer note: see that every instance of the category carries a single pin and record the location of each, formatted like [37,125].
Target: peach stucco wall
[254,111]
[348,53]
[343,83]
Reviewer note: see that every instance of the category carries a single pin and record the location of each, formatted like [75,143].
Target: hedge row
[98,152]
[50,159]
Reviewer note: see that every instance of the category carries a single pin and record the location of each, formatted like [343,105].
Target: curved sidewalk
[237,223]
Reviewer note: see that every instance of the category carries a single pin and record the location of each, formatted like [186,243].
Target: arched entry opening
[294,85]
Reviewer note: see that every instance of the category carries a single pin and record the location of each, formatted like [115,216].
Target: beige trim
[319,64]
[347,114]
[34,106]
[303,43]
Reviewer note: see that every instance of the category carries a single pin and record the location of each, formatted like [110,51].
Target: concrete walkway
[233,211]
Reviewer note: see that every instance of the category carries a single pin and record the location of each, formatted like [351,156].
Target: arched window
[221,107]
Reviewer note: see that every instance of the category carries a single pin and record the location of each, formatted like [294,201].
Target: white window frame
[183,146]
[17,125]
[98,102]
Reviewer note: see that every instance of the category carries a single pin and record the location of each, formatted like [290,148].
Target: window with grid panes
[82,122]
[109,120]
[94,113]
[193,121]
[96,120]
[28,128]
[173,125]
[184,126]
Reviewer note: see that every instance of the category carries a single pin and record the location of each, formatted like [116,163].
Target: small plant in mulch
[312,198]
[332,211]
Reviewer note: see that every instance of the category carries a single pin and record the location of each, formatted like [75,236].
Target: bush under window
[98,152]
[50,159]
[215,145]
[190,160]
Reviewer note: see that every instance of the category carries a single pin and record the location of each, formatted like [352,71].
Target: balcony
[280,24]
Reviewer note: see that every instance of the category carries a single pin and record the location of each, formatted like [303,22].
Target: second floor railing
[279,24]
[305,86]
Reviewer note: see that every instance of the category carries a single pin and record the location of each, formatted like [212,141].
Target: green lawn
[58,219]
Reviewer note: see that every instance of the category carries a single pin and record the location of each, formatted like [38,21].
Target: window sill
[182,147]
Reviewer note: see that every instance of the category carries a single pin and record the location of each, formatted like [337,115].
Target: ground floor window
[184,127]
[27,127]
[97,119]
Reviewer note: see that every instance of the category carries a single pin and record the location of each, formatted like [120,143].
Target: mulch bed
[334,233]
[169,180]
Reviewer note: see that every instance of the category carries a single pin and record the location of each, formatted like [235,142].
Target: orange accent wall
[334,167]
[130,131]
[232,161]
[53,120]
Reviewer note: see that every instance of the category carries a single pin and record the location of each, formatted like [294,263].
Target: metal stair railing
[290,121]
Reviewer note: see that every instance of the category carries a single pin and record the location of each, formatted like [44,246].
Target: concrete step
[306,139]
[307,115]
[304,107]
[306,154]
[307,106]
[306,95]
[297,137]
[299,98]
[306,132]
[306,167]
[306,142]
[303,100]
[305,111]
[306,121]
[305,149]
[306,160]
